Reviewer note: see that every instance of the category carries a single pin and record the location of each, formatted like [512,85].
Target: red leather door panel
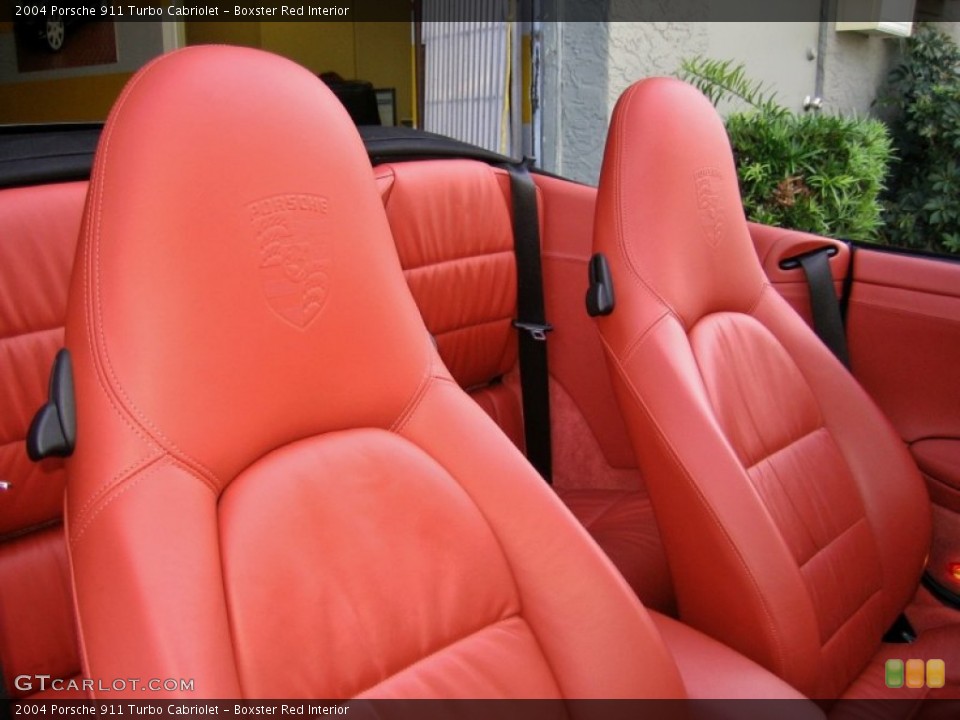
[775,245]
[903,326]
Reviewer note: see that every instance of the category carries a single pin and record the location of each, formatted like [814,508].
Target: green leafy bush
[818,173]
[923,92]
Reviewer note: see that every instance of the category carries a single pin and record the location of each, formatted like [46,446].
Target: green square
[893,672]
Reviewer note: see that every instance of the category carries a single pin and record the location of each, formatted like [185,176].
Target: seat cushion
[712,671]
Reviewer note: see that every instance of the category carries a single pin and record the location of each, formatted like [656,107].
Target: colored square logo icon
[915,673]
[893,673]
[936,674]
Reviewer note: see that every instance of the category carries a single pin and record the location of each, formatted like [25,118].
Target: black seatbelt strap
[824,305]
[531,321]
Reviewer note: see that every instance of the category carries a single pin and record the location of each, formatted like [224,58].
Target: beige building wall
[588,65]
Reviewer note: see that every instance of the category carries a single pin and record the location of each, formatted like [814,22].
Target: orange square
[915,672]
[936,673]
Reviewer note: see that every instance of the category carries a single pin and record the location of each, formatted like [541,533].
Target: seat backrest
[794,521]
[278,490]
[38,235]
[451,221]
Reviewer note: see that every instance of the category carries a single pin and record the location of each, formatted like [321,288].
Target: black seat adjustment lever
[53,432]
[600,299]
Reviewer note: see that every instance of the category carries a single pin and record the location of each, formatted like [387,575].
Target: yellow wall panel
[319,46]
[377,52]
[61,100]
[223,33]
[384,58]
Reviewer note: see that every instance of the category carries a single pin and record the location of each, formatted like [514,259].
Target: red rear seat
[38,234]
[451,221]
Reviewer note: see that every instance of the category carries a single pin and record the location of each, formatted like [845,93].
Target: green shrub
[923,92]
[818,173]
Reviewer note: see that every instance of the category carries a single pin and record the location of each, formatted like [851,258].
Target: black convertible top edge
[38,154]
[388,144]
[62,152]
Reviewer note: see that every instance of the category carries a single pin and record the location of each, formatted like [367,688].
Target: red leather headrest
[212,299]
[674,194]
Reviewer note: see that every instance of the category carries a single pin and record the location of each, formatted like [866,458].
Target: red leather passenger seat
[796,523]
[38,235]
[451,222]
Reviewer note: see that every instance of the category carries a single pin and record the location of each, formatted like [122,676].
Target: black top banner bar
[447,10]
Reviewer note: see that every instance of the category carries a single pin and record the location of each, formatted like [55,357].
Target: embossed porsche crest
[292,254]
[708,204]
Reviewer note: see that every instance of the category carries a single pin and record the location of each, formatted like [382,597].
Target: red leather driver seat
[795,523]
[278,491]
